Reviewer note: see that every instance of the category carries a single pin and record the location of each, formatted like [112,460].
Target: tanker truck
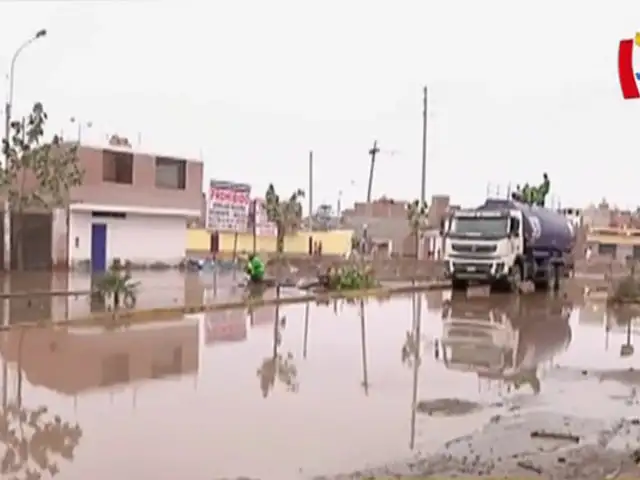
[504,340]
[505,242]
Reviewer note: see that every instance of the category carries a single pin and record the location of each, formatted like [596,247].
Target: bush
[117,286]
[350,278]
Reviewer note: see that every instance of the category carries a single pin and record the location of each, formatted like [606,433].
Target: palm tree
[417,212]
[285,214]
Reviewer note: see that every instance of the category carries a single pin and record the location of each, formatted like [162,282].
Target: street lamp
[81,124]
[7,110]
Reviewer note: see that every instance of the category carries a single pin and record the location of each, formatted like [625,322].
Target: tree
[32,440]
[417,213]
[37,174]
[285,214]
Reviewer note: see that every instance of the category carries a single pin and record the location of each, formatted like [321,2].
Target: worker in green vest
[543,190]
[534,195]
[526,193]
[255,268]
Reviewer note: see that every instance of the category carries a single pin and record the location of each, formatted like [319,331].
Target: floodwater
[322,390]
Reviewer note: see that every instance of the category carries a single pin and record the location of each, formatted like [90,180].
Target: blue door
[98,247]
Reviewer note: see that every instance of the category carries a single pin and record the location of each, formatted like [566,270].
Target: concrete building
[386,221]
[614,243]
[132,205]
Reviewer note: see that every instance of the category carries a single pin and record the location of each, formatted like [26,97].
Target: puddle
[323,390]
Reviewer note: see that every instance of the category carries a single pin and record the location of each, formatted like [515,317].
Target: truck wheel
[457,284]
[542,285]
[515,279]
[558,275]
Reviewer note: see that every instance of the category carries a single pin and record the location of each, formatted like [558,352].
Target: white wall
[139,238]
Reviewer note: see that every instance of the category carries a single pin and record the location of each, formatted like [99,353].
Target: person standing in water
[255,268]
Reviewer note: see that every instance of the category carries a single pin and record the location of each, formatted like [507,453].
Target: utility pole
[423,173]
[311,190]
[372,153]
[423,178]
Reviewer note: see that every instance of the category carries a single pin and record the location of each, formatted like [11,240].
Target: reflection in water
[225,326]
[363,348]
[596,313]
[35,442]
[416,334]
[278,365]
[305,340]
[349,349]
[625,316]
[74,360]
[506,337]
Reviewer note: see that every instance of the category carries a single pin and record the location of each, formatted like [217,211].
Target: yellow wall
[614,236]
[198,239]
[334,242]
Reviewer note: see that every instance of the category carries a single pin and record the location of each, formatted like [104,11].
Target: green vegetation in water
[116,286]
[350,278]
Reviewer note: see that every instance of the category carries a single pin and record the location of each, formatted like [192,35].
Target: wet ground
[328,390]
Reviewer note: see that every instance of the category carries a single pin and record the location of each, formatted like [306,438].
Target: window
[171,173]
[117,167]
[607,249]
[107,214]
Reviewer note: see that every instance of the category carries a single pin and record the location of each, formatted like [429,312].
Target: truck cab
[483,246]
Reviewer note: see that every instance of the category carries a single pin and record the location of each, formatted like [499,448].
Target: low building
[385,221]
[133,206]
[614,243]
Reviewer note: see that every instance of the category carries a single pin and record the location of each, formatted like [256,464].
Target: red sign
[227,195]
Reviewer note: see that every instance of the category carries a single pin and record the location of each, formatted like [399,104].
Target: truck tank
[548,229]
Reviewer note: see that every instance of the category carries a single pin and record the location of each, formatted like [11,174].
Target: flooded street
[322,391]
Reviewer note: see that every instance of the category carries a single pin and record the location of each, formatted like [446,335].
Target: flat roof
[136,151]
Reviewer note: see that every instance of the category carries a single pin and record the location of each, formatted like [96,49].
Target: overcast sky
[515,88]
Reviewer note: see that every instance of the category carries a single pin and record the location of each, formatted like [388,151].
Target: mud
[505,448]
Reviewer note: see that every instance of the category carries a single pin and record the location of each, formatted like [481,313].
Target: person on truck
[543,190]
[255,268]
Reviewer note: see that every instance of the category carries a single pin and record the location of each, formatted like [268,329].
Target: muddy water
[211,397]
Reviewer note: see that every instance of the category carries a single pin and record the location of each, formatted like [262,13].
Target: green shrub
[351,278]
[118,286]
